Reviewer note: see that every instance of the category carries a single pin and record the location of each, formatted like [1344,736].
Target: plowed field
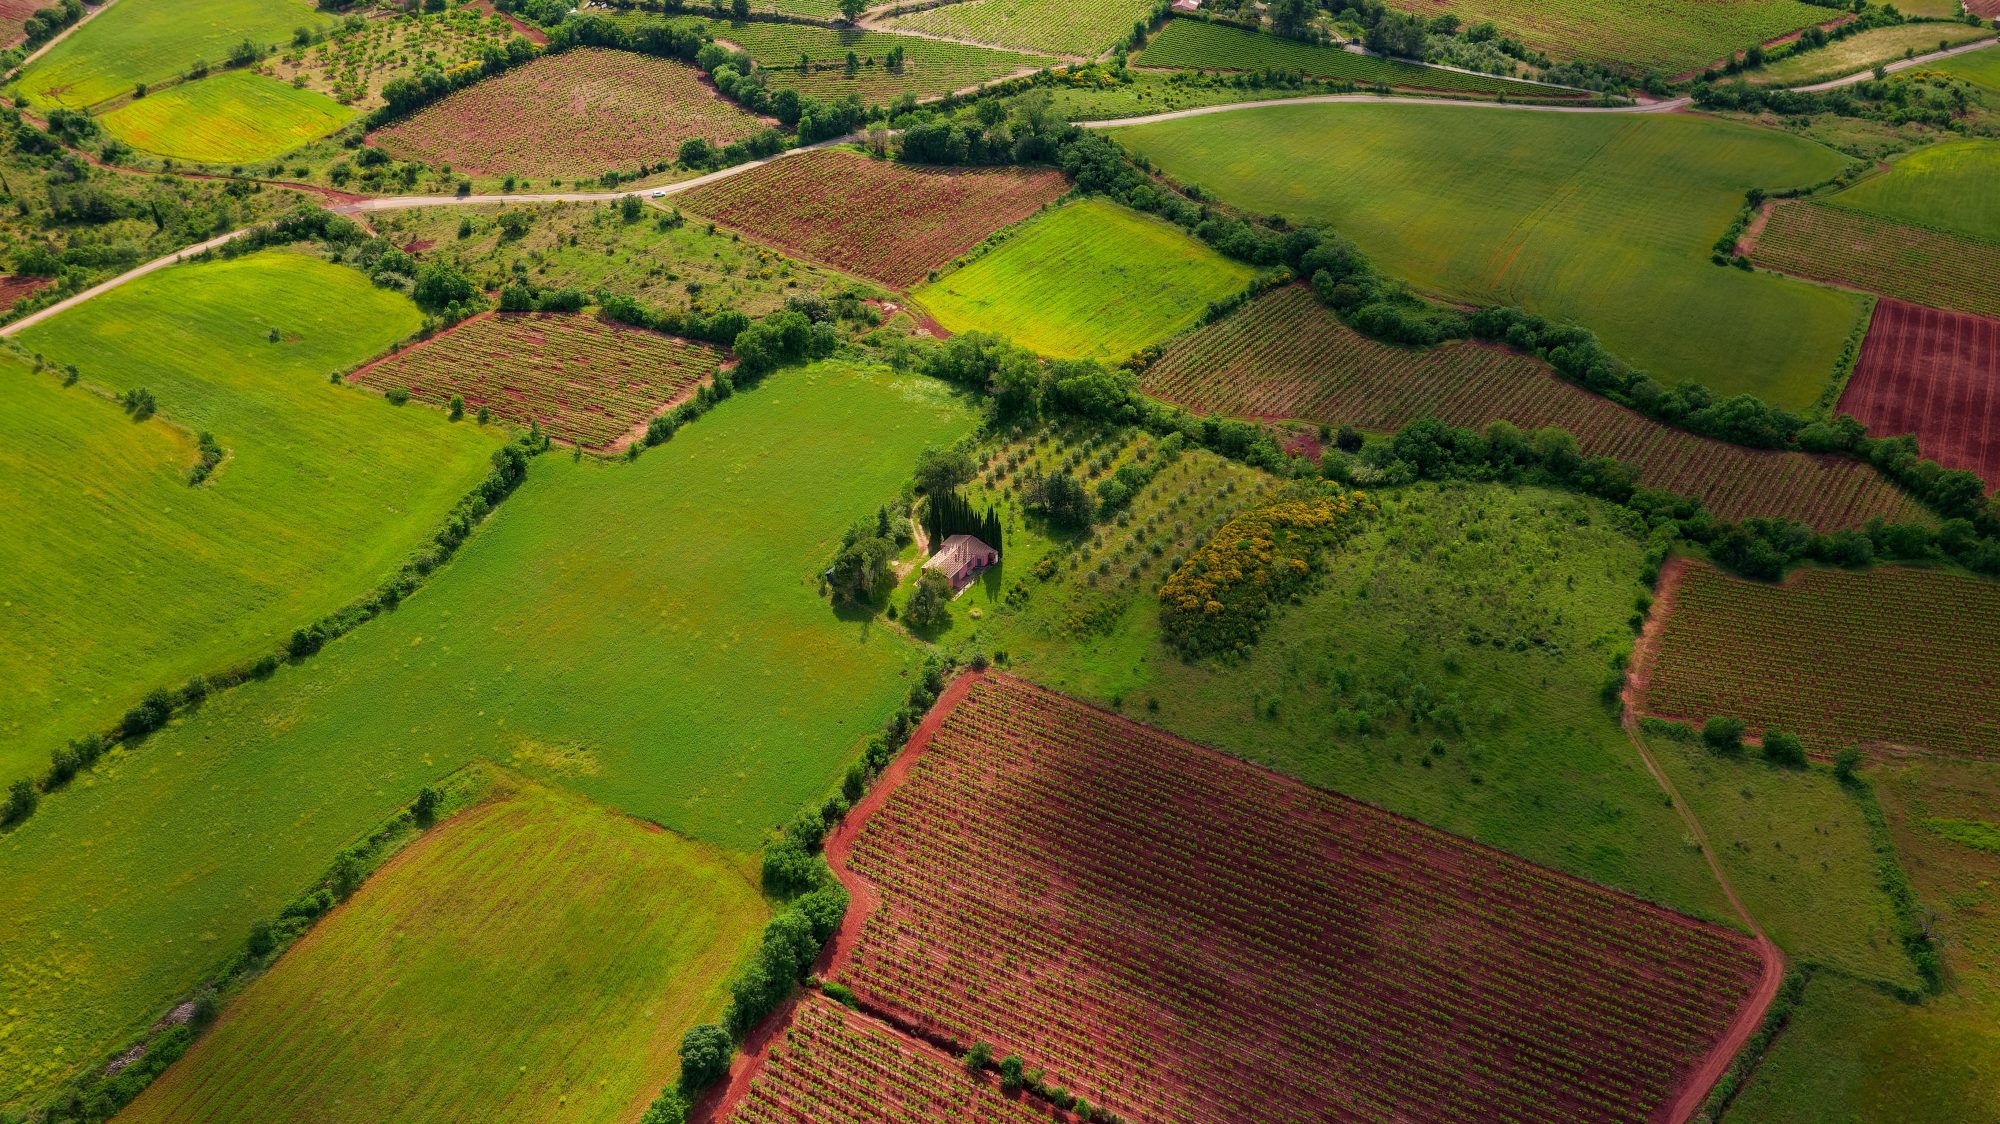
[1937,375]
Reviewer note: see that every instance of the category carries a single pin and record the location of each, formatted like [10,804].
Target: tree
[1723,735]
[1846,764]
[21,801]
[939,471]
[630,208]
[850,10]
[705,1053]
[863,562]
[930,602]
[457,407]
[1348,440]
[1291,18]
[441,283]
[429,799]
[1781,748]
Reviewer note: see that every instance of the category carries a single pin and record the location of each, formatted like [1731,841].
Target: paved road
[1903,64]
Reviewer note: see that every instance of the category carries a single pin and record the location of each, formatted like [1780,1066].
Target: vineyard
[834,1066]
[1892,656]
[583,380]
[1937,375]
[1640,35]
[1197,45]
[1894,259]
[888,222]
[813,60]
[576,114]
[1061,27]
[353,67]
[1286,356]
[1179,936]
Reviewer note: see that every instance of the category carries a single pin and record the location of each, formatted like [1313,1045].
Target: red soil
[1934,374]
[527,31]
[15,286]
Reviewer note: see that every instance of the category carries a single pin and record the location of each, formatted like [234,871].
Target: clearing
[1606,220]
[888,222]
[1288,356]
[1090,280]
[1881,255]
[230,118]
[536,936]
[1934,374]
[1199,45]
[153,41]
[584,380]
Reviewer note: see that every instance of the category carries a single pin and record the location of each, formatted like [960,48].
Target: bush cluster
[1217,601]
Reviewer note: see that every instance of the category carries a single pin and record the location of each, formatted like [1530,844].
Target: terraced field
[1881,255]
[1287,356]
[1197,45]
[813,60]
[230,118]
[1077,28]
[1883,658]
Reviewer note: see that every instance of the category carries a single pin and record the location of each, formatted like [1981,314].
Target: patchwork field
[1604,220]
[579,113]
[1886,658]
[1090,280]
[886,221]
[438,975]
[1946,187]
[930,68]
[1198,45]
[585,381]
[155,40]
[1061,883]
[1864,51]
[1635,35]
[202,578]
[1937,375]
[1881,255]
[686,705]
[229,118]
[1060,27]
[1287,356]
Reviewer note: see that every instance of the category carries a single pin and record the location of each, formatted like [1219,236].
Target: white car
[660,194]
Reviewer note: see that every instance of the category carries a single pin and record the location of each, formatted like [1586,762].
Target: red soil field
[577,114]
[1935,374]
[876,219]
[585,381]
[14,286]
[1288,356]
[1177,935]
[14,13]
[1891,659]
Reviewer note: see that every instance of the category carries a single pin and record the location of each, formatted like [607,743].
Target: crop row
[583,380]
[1195,45]
[1891,655]
[1672,36]
[579,113]
[929,67]
[1883,256]
[1934,374]
[1286,356]
[833,1066]
[1079,28]
[1183,937]
[881,220]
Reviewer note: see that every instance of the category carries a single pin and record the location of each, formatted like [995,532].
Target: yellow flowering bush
[1219,599]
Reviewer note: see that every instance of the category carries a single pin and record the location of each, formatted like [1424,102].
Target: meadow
[1197,45]
[407,1001]
[1947,187]
[1637,36]
[229,118]
[1090,280]
[1981,68]
[1810,239]
[721,694]
[931,67]
[1078,30]
[577,114]
[203,578]
[151,41]
[1604,220]
[1863,51]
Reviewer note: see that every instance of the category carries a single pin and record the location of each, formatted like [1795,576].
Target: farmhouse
[1187,5]
[961,558]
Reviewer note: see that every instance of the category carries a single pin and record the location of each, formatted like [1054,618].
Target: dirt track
[1903,64]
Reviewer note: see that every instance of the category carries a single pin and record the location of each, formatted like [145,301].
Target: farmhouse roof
[1187,5]
[956,552]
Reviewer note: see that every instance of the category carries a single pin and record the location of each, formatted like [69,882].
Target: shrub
[705,1053]
[21,801]
[426,808]
[1217,601]
[1846,764]
[1781,748]
[151,714]
[1723,735]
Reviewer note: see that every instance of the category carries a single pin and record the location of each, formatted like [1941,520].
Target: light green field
[1607,220]
[650,634]
[1091,280]
[1981,68]
[1953,187]
[117,576]
[229,118]
[1864,51]
[1078,28]
[535,958]
[1672,36]
[152,40]
[931,67]
[1197,45]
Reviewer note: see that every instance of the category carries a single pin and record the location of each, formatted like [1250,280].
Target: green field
[1981,68]
[1948,187]
[153,40]
[428,996]
[1083,29]
[230,118]
[1091,280]
[1863,51]
[931,67]
[1607,220]
[1636,35]
[1198,45]
[651,634]
[1811,239]
[120,577]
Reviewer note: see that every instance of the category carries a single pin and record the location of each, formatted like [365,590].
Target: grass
[230,118]
[1981,68]
[650,634]
[536,936]
[1864,51]
[154,40]
[1946,187]
[931,67]
[1605,220]
[1198,45]
[122,578]
[1637,35]
[1059,27]
[1090,280]
[1491,612]
[1148,92]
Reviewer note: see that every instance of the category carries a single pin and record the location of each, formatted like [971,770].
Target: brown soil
[1646,650]
[15,286]
[1748,242]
